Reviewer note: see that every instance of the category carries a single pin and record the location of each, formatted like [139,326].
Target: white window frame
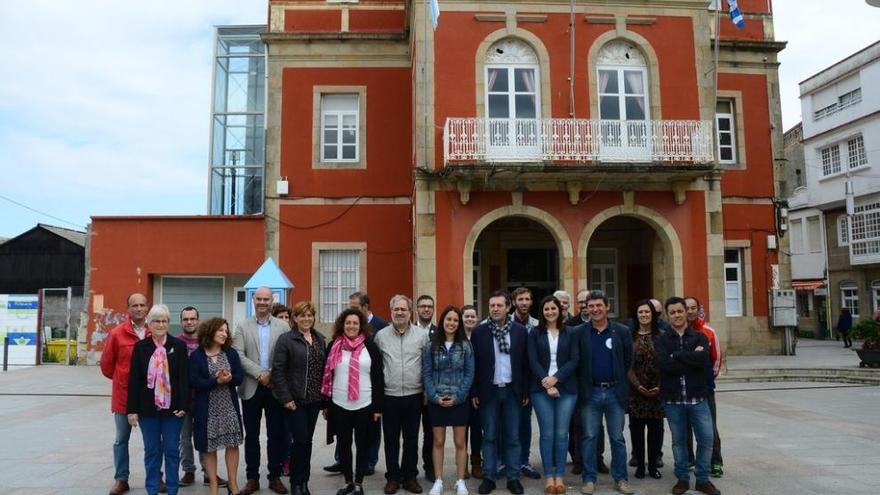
[731,118]
[340,128]
[829,156]
[864,234]
[609,288]
[856,156]
[842,231]
[849,298]
[736,284]
[327,315]
[814,239]
[621,87]
[796,241]
[875,295]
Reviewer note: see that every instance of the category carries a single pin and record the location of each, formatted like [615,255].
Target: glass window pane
[726,153]
[331,120]
[330,137]
[349,153]
[524,80]
[329,152]
[731,256]
[724,138]
[498,107]
[635,108]
[349,120]
[633,82]
[723,106]
[497,80]
[611,85]
[730,274]
[609,108]
[724,124]
[525,107]
[349,137]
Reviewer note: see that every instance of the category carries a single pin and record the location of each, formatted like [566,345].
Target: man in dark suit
[499,390]
[606,356]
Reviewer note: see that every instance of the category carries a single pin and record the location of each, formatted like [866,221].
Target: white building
[835,253]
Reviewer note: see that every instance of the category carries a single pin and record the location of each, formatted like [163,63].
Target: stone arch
[653,66]
[546,220]
[543,65]
[673,268]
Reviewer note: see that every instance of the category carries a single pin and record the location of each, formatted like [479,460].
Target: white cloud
[105,106]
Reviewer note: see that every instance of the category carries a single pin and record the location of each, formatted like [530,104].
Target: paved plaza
[777,438]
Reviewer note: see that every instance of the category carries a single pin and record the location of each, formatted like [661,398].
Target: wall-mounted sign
[18,321]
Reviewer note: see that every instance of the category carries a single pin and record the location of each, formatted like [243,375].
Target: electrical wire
[41,212]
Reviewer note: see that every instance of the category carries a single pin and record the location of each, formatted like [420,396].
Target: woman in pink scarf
[354,382]
[158,398]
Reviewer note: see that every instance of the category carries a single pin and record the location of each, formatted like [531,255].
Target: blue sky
[104,104]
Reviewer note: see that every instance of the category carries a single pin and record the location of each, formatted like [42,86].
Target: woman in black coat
[354,381]
[158,398]
[215,370]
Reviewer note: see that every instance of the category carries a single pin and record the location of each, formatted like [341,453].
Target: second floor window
[726,131]
[339,128]
[830,160]
[854,156]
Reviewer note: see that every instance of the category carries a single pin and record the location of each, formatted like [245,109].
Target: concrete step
[866,376]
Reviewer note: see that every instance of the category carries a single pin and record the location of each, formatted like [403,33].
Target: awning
[807,284]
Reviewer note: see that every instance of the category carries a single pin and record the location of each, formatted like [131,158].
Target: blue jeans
[525,434]
[120,446]
[502,408]
[603,401]
[699,417]
[554,416]
[161,439]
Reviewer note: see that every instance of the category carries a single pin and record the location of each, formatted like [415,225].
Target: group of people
[376,382]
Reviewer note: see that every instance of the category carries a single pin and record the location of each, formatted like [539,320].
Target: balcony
[577,140]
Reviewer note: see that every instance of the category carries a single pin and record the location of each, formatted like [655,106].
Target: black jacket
[483,343]
[621,360]
[290,370]
[676,356]
[140,398]
[567,359]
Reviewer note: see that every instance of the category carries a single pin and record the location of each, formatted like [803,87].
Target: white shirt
[340,382]
[503,371]
[554,346]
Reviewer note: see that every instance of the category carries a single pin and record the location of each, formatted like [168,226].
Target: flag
[736,16]
[435,12]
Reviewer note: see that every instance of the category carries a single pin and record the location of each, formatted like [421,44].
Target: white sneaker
[460,488]
[437,489]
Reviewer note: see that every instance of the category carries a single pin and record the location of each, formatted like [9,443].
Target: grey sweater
[402,359]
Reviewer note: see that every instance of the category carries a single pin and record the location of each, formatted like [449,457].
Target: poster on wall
[18,321]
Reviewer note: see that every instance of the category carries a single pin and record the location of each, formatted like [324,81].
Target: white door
[513,111]
[623,113]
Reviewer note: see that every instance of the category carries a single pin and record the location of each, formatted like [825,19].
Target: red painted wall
[757,179]
[388,129]
[312,21]
[376,20]
[387,230]
[754,223]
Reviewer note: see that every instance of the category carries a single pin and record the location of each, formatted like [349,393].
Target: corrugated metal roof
[74,236]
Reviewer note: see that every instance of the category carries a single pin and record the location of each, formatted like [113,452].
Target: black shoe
[640,473]
[655,473]
[487,486]
[601,466]
[296,490]
[371,470]
[515,487]
[633,462]
[305,489]
[346,490]
[336,467]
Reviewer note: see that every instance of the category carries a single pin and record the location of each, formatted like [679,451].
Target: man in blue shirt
[606,356]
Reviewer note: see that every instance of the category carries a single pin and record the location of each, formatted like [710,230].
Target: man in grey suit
[254,341]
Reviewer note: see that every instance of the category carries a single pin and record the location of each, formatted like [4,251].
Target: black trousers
[277,438]
[301,425]
[400,419]
[427,442]
[359,422]
[637,428]
[475,431]
[716,445]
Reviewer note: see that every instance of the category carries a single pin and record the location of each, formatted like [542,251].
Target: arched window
[624,110]
[513,103]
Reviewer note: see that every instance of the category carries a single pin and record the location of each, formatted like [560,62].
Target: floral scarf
[159,376]
[354,346]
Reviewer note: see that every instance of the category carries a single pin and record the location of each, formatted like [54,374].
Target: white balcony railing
[482,139]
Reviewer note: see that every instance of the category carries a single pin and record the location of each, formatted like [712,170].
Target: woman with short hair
[353,379]
[214,372]
[297,371]
[158,398]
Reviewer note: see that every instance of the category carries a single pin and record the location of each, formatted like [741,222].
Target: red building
[517,143]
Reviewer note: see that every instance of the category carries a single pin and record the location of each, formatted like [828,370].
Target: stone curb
[839,375]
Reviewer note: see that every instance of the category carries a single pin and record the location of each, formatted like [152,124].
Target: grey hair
[398,297]
[561,294]
[156,311]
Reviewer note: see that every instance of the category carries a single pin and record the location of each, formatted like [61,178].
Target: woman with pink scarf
[158,398]
[354,382]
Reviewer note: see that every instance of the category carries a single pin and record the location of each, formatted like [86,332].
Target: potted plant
[868,331]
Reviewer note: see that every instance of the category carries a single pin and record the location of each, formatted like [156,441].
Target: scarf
[354,366]
[159,377]
[500,333]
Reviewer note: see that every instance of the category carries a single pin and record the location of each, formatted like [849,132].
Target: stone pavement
[778,438]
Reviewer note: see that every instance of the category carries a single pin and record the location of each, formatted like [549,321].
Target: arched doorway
[511,252]
[628,259]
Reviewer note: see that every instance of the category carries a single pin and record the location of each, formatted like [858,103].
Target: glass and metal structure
[238,122]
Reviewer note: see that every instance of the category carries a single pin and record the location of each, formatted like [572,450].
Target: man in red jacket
[115,364]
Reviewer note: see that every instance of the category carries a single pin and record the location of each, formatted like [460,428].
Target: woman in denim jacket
[448,371]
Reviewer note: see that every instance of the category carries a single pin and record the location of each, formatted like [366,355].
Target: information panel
[18,321]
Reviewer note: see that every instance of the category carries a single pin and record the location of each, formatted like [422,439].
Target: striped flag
[435,12]
[736,16]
